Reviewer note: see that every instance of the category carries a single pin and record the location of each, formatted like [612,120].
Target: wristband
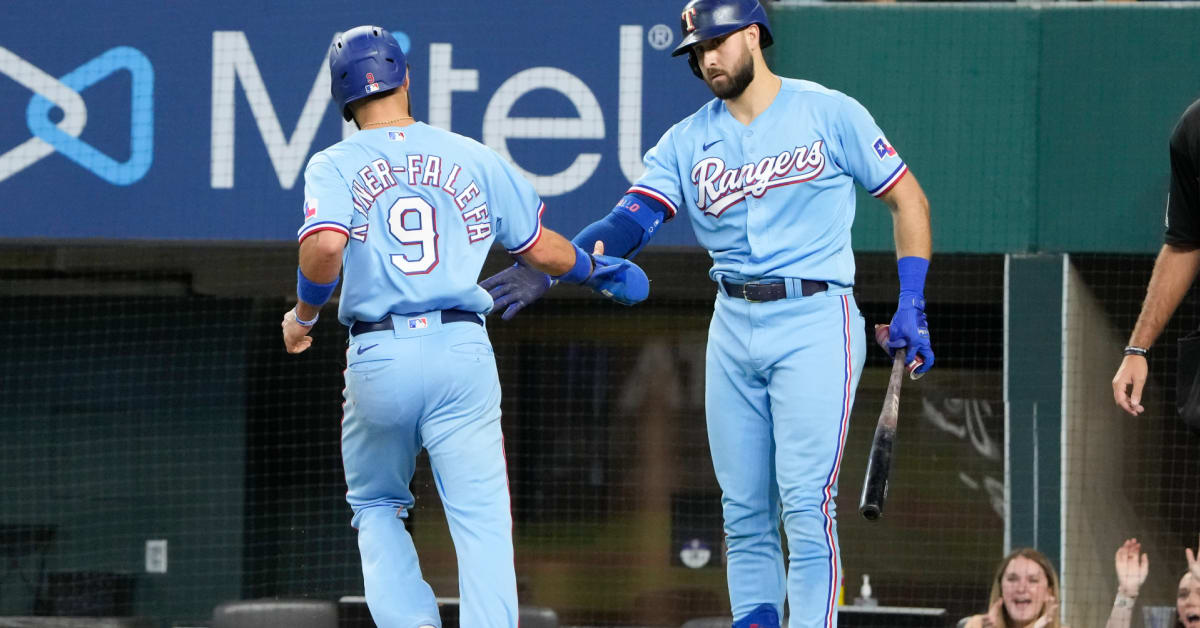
[1132,350]
[311,292]
[912,270]
[303,323]
[581,270]
[1123,601]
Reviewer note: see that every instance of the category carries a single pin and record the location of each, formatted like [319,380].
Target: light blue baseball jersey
[421,207]
[774,198]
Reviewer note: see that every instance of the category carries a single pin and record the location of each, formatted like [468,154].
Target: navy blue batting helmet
[364,61]
[708,19]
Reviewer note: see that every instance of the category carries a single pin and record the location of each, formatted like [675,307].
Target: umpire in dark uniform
[1177,262]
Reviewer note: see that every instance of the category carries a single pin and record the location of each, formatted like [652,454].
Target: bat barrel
[879,465]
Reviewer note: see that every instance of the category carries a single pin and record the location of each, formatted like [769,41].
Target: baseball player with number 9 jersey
[765,172]
[411,211]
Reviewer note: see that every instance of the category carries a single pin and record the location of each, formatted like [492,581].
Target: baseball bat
[879,461]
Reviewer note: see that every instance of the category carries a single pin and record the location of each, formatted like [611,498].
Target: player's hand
[295,335]
[909,330]
[1131,571]
[617,278]
[1132,374]
[1047,618]
[516,287]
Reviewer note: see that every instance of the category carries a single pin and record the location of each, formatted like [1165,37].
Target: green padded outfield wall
[1032,128]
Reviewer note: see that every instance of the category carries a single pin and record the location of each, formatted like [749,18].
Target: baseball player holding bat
[411,211]
[765,173]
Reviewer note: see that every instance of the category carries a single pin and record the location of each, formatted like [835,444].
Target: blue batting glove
[618,279]
[909,330]
[516,287]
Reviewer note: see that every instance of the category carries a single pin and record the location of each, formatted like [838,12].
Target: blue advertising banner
[193,121]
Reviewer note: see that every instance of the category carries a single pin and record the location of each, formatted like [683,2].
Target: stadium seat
[271,613]
[538,617]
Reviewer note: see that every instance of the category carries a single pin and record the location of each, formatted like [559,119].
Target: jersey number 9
[411,220]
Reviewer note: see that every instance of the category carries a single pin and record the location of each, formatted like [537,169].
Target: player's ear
[407,74]
[752,36]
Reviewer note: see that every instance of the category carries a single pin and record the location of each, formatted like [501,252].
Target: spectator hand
[1048,615]
[1193,559]
[1131,570]
[994,616]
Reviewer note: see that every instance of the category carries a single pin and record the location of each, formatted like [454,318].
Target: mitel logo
[64,93]
[448,79]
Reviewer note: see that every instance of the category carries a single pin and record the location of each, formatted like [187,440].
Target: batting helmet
[364,61]
[708,19]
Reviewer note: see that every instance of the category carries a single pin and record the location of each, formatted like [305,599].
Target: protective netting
[161,454]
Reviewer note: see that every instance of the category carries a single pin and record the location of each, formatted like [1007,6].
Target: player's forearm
[1174,271]
[627,228]
[553,254]
[320,263]
[910,219]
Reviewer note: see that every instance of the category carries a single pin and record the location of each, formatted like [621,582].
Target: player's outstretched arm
[1174,271]
[316,278]
[914,248]
[623,233]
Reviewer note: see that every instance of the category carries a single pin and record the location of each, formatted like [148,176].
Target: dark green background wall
[1032,128]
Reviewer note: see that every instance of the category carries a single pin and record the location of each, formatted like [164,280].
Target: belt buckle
[746,292]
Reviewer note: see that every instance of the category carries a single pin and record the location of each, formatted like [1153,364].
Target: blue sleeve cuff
[311,292]
[912,271]
[580,271]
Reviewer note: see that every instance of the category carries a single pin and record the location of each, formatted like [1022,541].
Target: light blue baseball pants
[780,383]
[428,385]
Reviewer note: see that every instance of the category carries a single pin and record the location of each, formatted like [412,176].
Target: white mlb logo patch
[372,88]
[396,136]
[418,323]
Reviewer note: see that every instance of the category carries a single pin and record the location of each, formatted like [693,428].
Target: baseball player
[411,212]
[1176,266]
[766,173]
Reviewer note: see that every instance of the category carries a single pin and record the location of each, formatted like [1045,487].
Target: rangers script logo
[718,188]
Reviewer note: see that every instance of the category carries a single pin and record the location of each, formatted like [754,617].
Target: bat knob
[870,513]
[882,335]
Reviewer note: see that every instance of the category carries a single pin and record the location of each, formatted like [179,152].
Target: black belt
[448,316]
[756,292]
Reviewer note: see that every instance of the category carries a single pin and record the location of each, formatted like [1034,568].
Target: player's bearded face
[728,82]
